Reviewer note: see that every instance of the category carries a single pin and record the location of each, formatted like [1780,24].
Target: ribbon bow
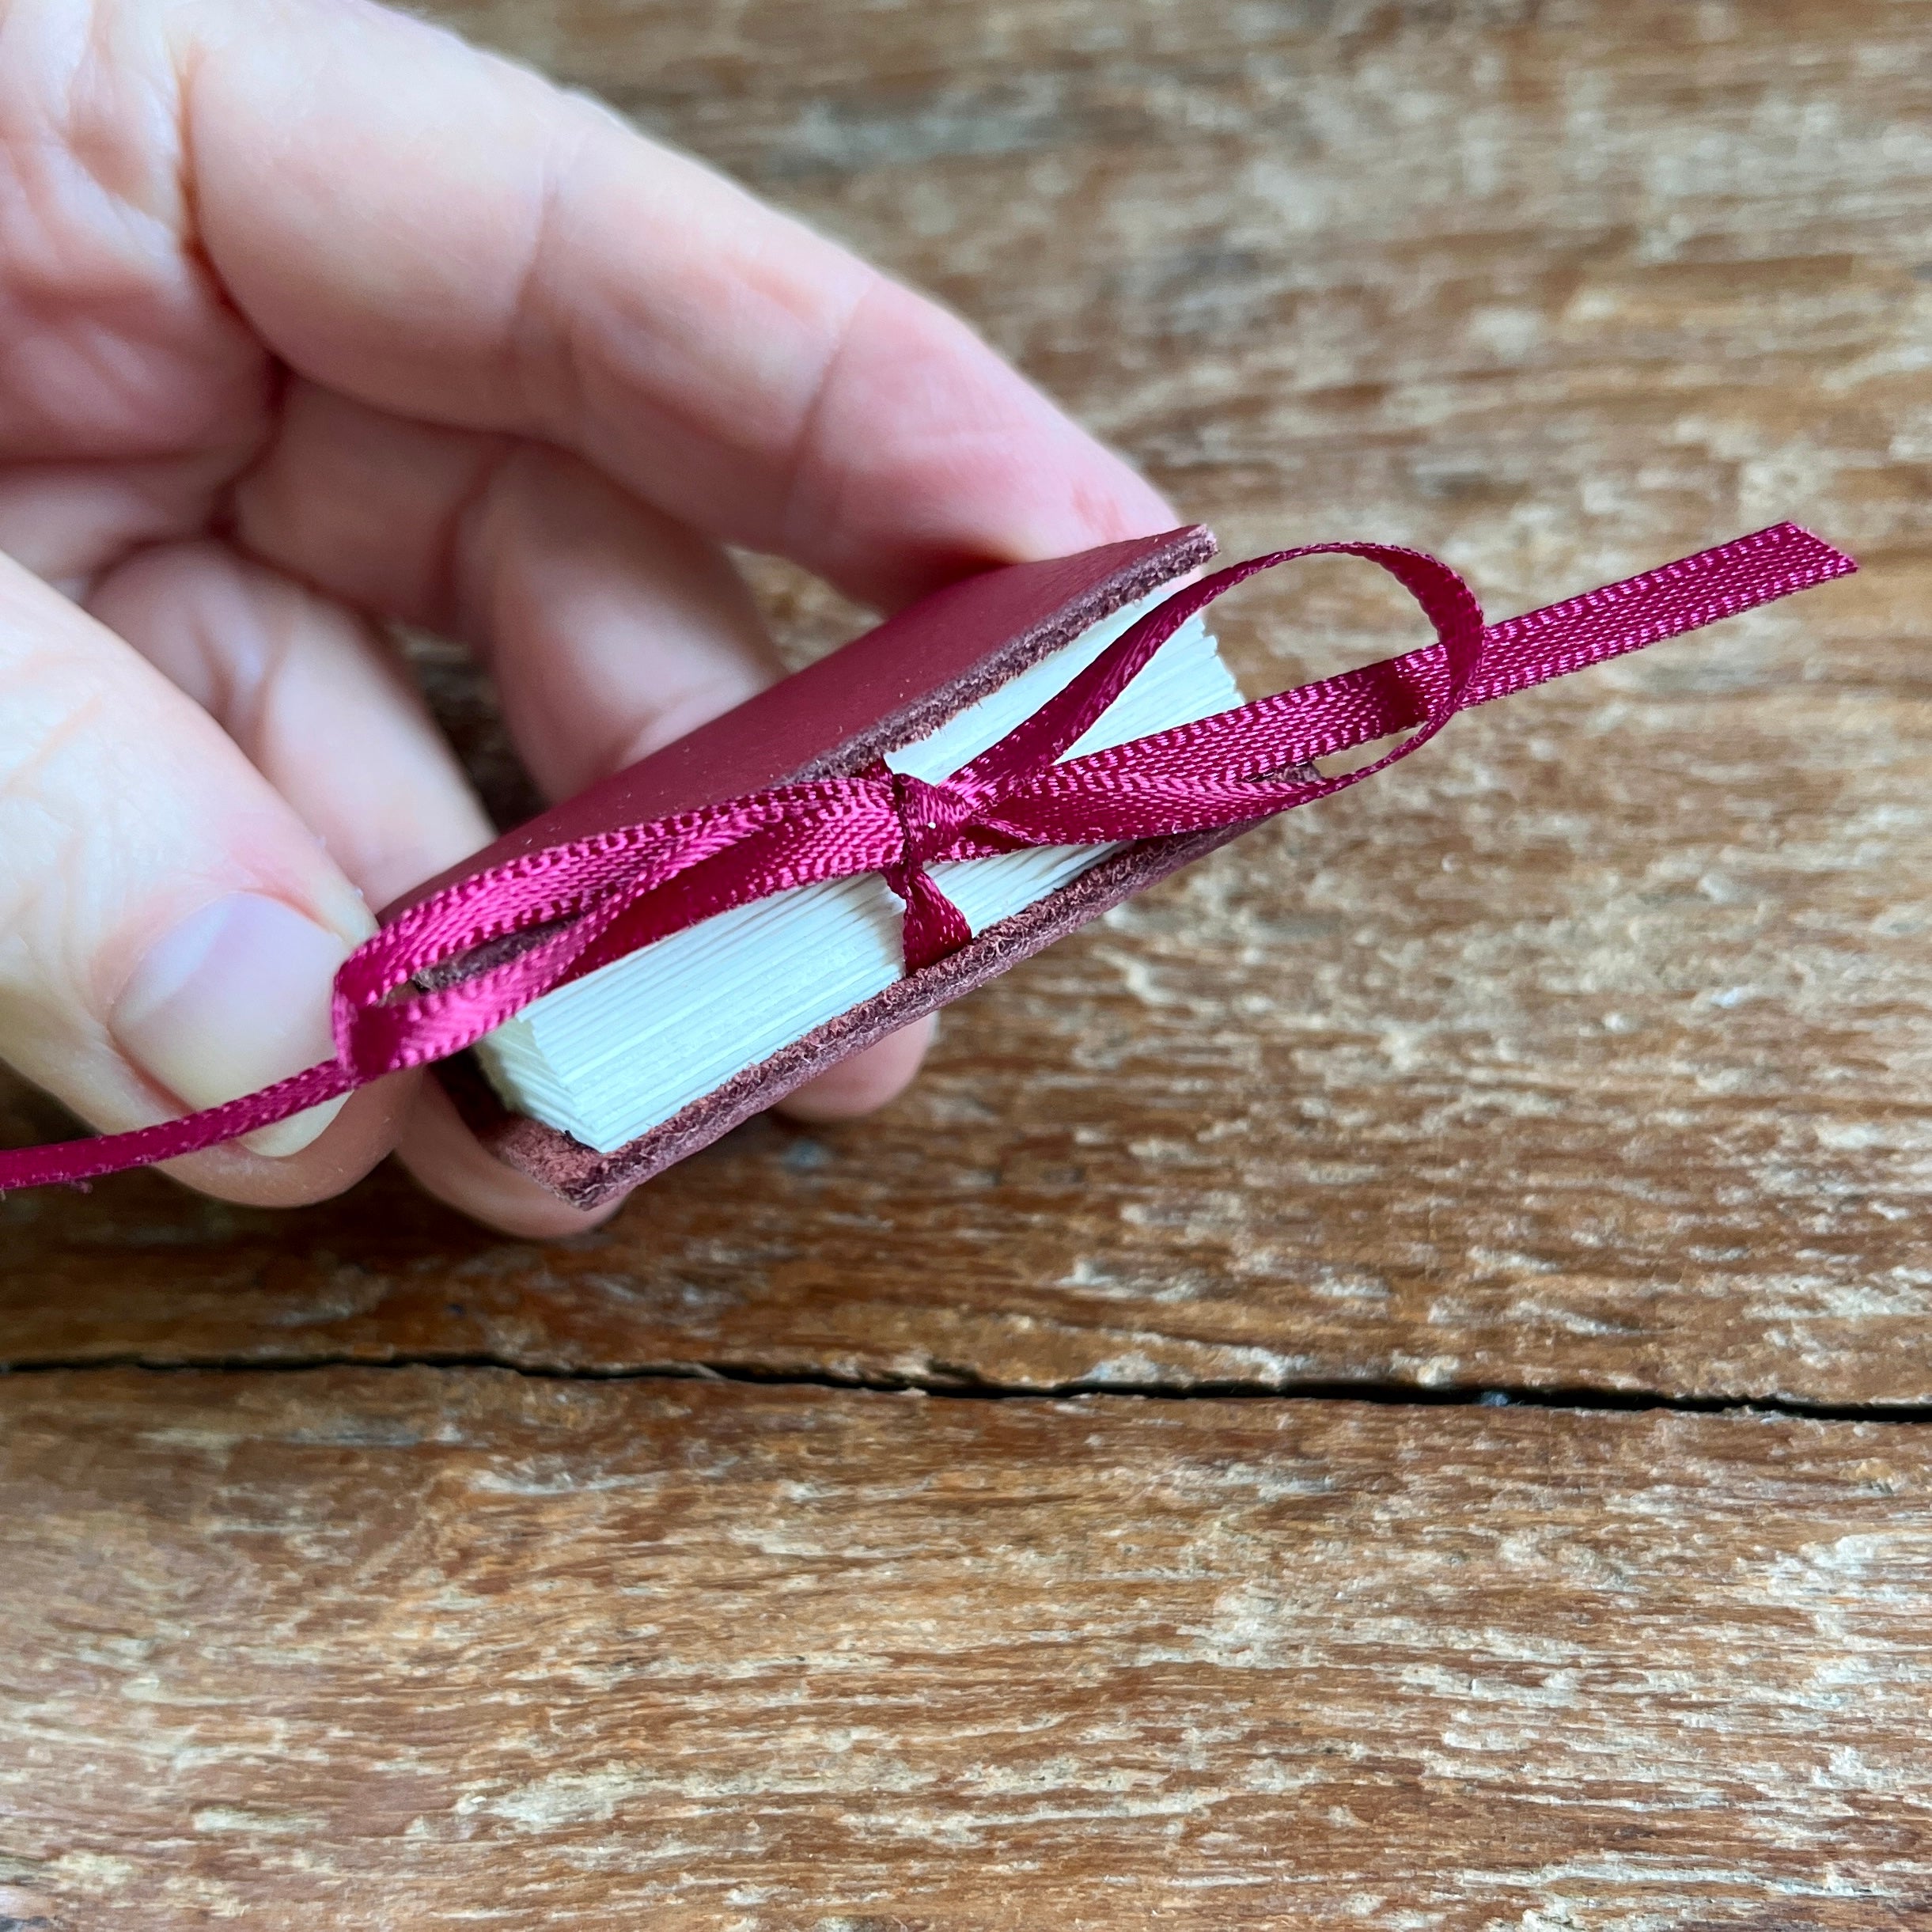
[585,904]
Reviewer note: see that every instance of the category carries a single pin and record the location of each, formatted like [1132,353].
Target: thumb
[169,927]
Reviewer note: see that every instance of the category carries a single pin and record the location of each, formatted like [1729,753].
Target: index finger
[439,233]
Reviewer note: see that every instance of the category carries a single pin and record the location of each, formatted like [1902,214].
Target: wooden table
[1385,1385]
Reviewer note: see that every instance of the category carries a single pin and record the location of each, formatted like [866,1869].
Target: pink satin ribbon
[599,899]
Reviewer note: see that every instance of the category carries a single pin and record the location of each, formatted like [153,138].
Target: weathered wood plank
[1592,1050]
[376,1648]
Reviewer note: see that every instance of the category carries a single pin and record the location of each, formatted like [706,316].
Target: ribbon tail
[75,1161]
[1695,591]
[934,926]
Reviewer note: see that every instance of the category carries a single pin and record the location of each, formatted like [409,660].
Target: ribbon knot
[930,818]
[489,945]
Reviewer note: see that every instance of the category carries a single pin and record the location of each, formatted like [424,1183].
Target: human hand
[316,318]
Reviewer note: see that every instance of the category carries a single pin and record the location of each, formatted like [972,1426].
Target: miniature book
[612,1057]
[613,1076]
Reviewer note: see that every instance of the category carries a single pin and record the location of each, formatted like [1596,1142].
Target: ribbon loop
[537,922]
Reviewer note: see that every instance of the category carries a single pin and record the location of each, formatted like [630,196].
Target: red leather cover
[894,685]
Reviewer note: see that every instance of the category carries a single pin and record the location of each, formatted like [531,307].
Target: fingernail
[235,997]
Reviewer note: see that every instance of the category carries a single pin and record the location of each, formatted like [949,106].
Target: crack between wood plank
[1386,1393]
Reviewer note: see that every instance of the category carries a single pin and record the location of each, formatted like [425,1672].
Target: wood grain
[383,1648]
[1591,1050]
